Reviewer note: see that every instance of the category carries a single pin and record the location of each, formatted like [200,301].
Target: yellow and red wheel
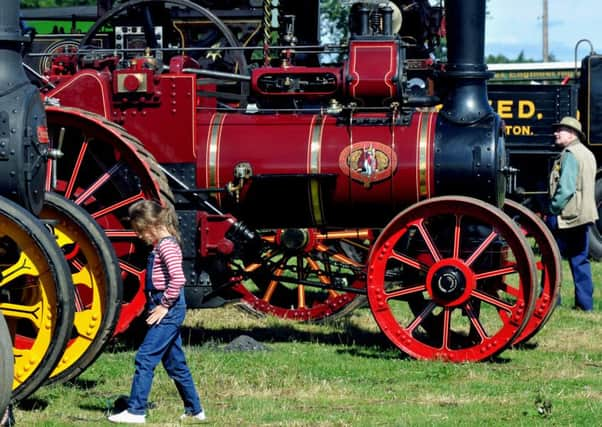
[104,170]
[96,280]
[451,278]
[36,297]
[548,263]
[6,365]
[283,283]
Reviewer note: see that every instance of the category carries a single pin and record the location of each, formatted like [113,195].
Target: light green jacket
[572,186]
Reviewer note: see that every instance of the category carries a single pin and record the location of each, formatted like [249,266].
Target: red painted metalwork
[100,160]
[374,69]
[314,144]
[280,81]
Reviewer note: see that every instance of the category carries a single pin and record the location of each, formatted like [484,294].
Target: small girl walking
[166,308]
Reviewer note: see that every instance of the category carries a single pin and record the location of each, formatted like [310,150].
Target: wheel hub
[294,239]
[448,283]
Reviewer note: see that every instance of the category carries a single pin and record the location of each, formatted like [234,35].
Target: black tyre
[6,365]
[36,296]
[96,280]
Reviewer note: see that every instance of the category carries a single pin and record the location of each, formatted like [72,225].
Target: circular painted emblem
[368,162]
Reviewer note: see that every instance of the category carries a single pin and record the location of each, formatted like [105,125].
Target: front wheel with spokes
[451,278]
[307,275]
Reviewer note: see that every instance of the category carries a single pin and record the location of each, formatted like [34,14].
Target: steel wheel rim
[426,325]
[96,283]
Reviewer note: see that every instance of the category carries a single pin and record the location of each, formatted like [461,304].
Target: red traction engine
[305,190]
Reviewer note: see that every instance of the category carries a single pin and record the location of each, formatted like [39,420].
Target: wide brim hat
[571,123]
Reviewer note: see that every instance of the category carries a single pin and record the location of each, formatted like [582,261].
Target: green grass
[346,374]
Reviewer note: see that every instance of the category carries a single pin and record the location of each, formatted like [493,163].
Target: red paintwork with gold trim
[373,69]
[379,168]
[310,144]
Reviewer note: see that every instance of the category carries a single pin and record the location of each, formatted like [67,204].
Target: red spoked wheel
[104,170]
[548,263]
[294,259]
[451,278]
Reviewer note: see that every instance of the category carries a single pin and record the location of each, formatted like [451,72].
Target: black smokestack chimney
[470,150]
[466,70]
[11,39]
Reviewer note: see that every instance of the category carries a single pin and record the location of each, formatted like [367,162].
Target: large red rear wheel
[451,278]
[548,265]
[293,259]
[104,170]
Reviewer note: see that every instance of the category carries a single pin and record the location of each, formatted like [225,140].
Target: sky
[513,26]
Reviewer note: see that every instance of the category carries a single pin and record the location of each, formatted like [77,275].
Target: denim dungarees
[162,343]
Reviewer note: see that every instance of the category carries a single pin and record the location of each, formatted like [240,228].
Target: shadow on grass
[32,404]
[357,339]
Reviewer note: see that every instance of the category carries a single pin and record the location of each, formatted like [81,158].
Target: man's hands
[156,315]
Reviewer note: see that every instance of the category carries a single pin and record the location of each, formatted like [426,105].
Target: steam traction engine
[302,190]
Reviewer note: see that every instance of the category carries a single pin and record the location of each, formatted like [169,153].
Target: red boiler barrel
[313,170]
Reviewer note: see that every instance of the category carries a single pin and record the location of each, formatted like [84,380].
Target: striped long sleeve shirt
[167,273]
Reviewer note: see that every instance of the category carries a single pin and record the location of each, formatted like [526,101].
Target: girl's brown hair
[146,213]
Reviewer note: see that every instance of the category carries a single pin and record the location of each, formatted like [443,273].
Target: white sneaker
[127,417]
[186,418]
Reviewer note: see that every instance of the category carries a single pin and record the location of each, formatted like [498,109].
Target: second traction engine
[304,189]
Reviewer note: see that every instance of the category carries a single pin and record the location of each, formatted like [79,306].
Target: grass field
[346,374]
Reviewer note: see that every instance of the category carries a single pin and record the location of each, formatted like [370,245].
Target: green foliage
[336,14]
[521,58]
[28,4]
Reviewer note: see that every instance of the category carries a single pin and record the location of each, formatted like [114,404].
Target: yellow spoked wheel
[6,365]
[36,296]
[96,279]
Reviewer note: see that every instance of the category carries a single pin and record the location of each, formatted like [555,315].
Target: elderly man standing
[573,205]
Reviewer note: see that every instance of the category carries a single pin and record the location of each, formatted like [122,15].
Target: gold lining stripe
[215,128]
[314,167]
[423,143]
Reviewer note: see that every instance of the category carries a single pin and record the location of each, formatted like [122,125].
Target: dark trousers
[574,246]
